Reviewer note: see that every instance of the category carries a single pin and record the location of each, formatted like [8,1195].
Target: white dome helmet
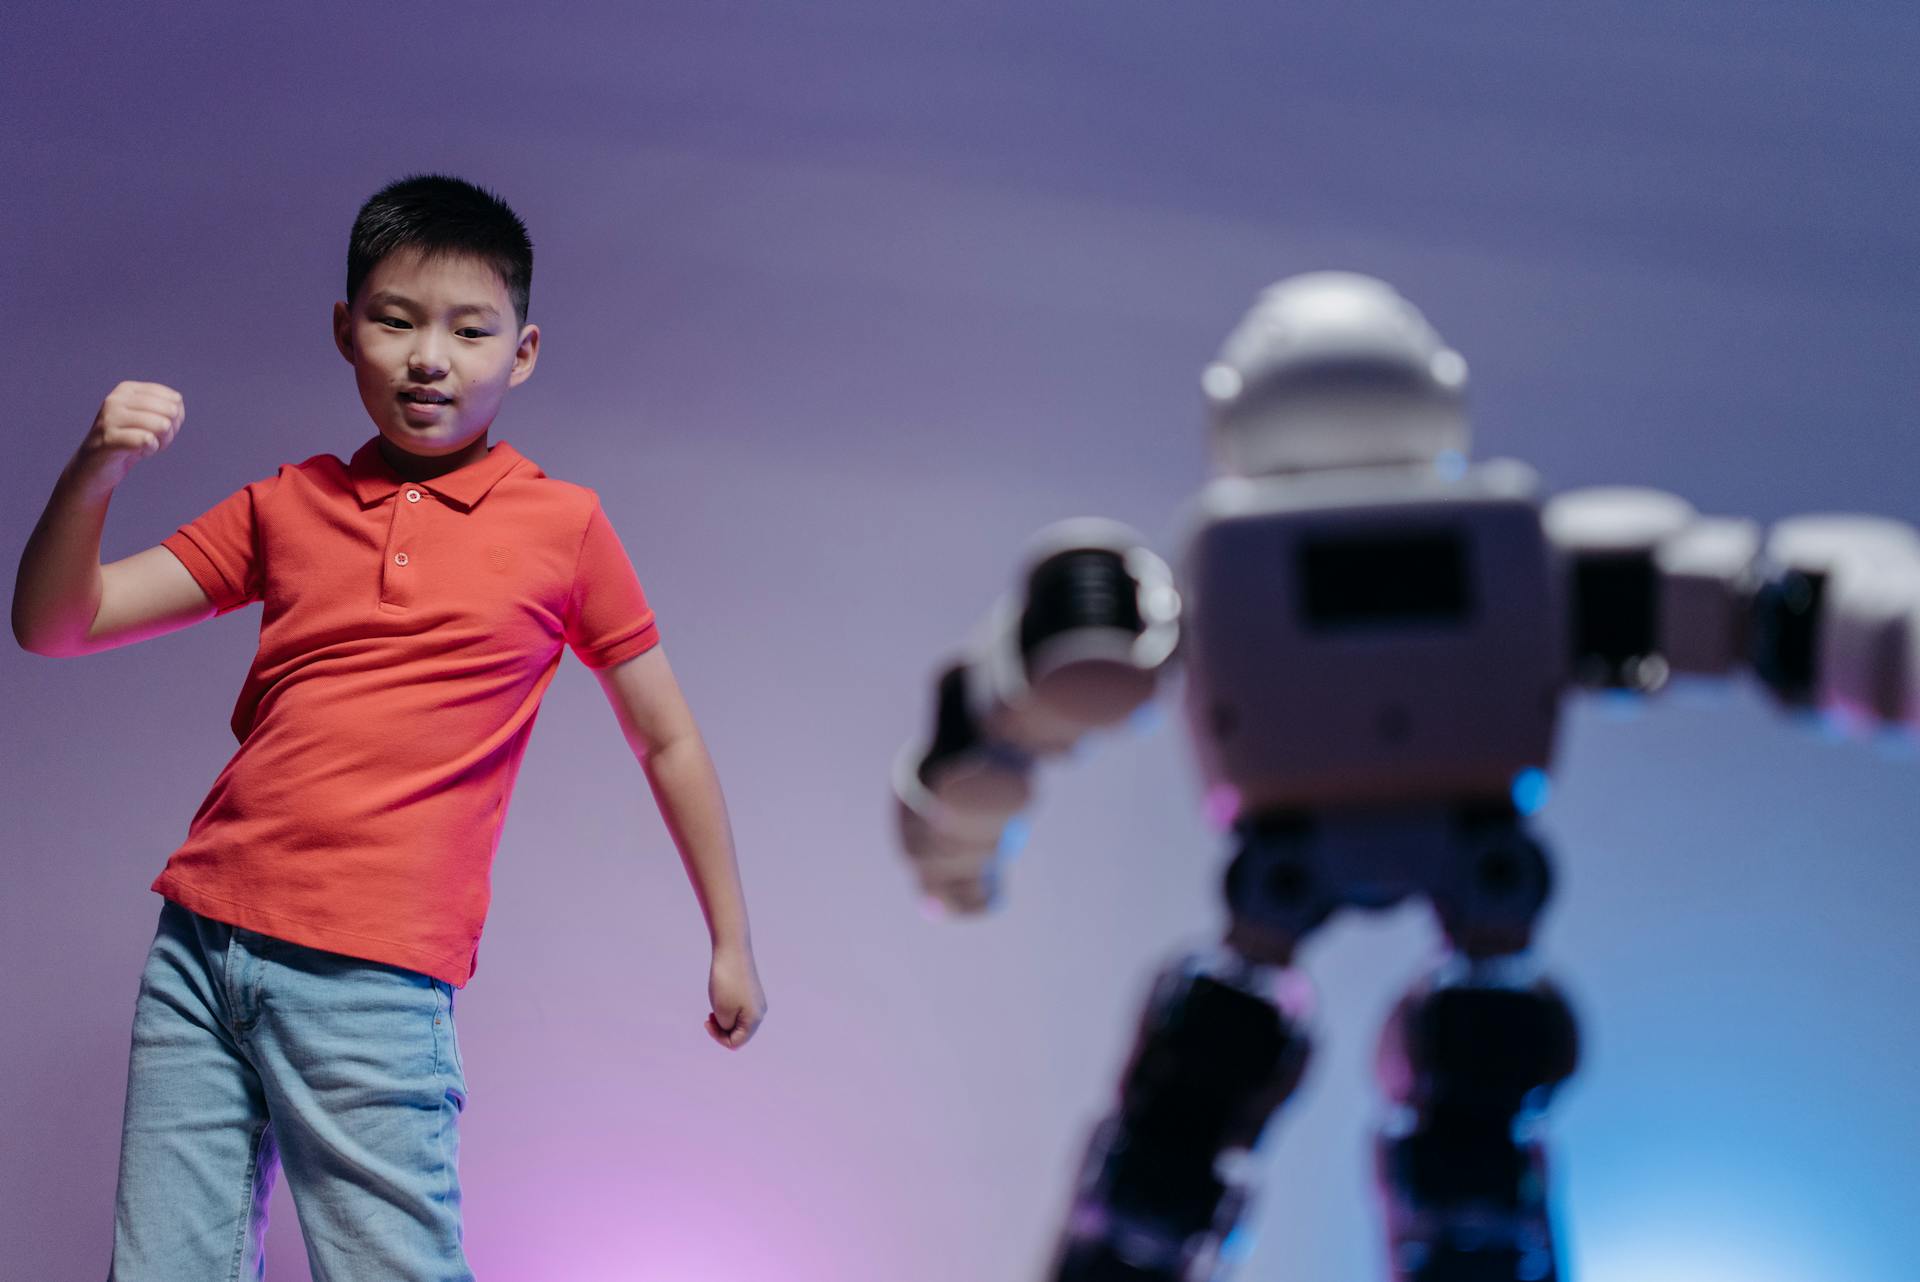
[1334,369]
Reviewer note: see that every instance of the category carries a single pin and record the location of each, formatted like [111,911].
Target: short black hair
[437,214]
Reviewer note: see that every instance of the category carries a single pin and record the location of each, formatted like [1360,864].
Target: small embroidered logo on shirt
[499,559]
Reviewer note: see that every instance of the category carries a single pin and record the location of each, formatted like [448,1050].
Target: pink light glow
[1222,806]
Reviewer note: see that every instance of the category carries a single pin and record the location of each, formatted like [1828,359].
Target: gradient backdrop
[841,301]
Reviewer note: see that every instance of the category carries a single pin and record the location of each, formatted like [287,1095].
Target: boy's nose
[428,360]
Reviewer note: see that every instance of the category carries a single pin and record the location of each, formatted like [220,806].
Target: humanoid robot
[1377,636]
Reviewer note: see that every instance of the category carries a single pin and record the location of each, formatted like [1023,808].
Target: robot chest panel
[1369,653]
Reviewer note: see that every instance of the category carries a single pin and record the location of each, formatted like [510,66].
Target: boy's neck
[422,467]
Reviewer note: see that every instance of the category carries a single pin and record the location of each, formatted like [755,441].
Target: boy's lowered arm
[64,601]
[660,729]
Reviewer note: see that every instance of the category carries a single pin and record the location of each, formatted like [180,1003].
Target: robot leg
[1222,1043]
[1469,1060]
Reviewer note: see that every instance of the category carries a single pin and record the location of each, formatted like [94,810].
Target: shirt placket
[400,566]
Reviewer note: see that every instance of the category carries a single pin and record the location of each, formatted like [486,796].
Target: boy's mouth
[415,396]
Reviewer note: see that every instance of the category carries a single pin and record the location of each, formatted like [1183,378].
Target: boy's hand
[739,1005]
[136,419]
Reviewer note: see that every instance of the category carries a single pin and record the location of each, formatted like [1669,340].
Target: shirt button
[399,558]
[413,496]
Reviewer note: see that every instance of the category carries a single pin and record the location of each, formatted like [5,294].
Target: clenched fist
[136,419]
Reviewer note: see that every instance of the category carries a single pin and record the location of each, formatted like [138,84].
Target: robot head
[1334,369]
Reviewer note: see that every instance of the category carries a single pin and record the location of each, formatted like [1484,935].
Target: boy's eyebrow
[388,298]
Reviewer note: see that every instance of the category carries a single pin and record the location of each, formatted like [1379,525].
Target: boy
[296,1007]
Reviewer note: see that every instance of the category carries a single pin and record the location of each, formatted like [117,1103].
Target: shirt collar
[374,480]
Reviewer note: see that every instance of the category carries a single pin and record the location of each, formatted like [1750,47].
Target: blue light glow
[1013,838]
[1530,788]
[1238,1242]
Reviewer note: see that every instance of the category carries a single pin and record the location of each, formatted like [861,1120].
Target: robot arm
[1825,610]
[1080,645]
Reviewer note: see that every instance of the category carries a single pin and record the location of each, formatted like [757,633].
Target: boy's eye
[470,332]
[393,321]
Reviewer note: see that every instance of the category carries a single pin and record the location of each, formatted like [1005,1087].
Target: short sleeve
[221,547]
[608,620]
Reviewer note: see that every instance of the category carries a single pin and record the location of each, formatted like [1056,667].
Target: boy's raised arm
[64,601]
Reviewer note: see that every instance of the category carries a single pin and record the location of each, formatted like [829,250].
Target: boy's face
[434,348]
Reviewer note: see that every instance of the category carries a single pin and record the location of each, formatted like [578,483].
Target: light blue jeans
[251,1053]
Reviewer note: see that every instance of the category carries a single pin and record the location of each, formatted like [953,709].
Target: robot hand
[1826,611]
[1836,617]
[1080,647]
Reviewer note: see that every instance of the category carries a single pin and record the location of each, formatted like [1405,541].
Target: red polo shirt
[409,631]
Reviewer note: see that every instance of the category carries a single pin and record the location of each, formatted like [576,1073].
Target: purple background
[843,300]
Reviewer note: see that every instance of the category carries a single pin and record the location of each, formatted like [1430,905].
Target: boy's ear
[343,330]
[525,355]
